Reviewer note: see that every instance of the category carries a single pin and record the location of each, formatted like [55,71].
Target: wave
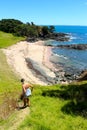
[61,56]
[72,37]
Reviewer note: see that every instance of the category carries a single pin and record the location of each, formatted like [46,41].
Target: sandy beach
[31,62]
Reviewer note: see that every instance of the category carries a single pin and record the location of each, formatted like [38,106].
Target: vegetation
[7,39]
[53,108]
[9,87]
[21,29]
[9,83]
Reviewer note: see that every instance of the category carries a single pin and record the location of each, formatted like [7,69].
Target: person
[26,92]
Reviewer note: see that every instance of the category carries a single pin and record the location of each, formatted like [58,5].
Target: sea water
[71,58]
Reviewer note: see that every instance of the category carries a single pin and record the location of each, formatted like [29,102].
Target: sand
[31,62]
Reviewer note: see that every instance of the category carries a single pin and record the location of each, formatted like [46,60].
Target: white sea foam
[72,38]
[61,56]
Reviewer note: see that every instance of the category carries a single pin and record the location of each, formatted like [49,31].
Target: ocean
[70,59]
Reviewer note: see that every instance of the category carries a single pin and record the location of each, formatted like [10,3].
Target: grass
[48,110]
[57,107]
[9,87]
[7,39]
[9,82]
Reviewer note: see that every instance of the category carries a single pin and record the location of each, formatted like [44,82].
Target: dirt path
[16,120]
[21,114]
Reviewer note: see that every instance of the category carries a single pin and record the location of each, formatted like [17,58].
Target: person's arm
[31,87]
[24,90]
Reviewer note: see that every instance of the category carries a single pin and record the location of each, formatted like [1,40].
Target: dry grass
[8,105]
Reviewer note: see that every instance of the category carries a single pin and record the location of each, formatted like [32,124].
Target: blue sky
[45,12]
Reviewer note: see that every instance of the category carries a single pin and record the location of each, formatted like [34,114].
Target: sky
[45,12]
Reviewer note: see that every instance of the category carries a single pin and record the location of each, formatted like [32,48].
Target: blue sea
[70,58]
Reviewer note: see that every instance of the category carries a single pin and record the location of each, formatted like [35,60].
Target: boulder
[83,76]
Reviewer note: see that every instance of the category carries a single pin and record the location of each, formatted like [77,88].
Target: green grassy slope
[9,82]
[7,39]
[57,108]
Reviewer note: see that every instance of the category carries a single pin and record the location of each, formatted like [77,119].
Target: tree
[45,30]
[51,29]
[20,29]
[32,24]
[9,25]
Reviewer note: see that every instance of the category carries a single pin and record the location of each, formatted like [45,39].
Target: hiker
[26,92]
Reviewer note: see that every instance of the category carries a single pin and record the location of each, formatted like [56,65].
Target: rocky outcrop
[83,76]
[59,37]
[52,36]
[74,46]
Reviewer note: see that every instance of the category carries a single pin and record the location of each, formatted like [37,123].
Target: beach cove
[36,63]
[31,61]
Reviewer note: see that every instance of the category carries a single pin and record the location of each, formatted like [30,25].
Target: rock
[83,76]
[32,39]
[52,36]
[74,46]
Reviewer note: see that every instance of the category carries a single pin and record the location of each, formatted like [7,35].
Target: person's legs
[24,100]
[28,101]
[21,96]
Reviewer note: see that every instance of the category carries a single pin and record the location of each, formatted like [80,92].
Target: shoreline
[31,61]
[35,63]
